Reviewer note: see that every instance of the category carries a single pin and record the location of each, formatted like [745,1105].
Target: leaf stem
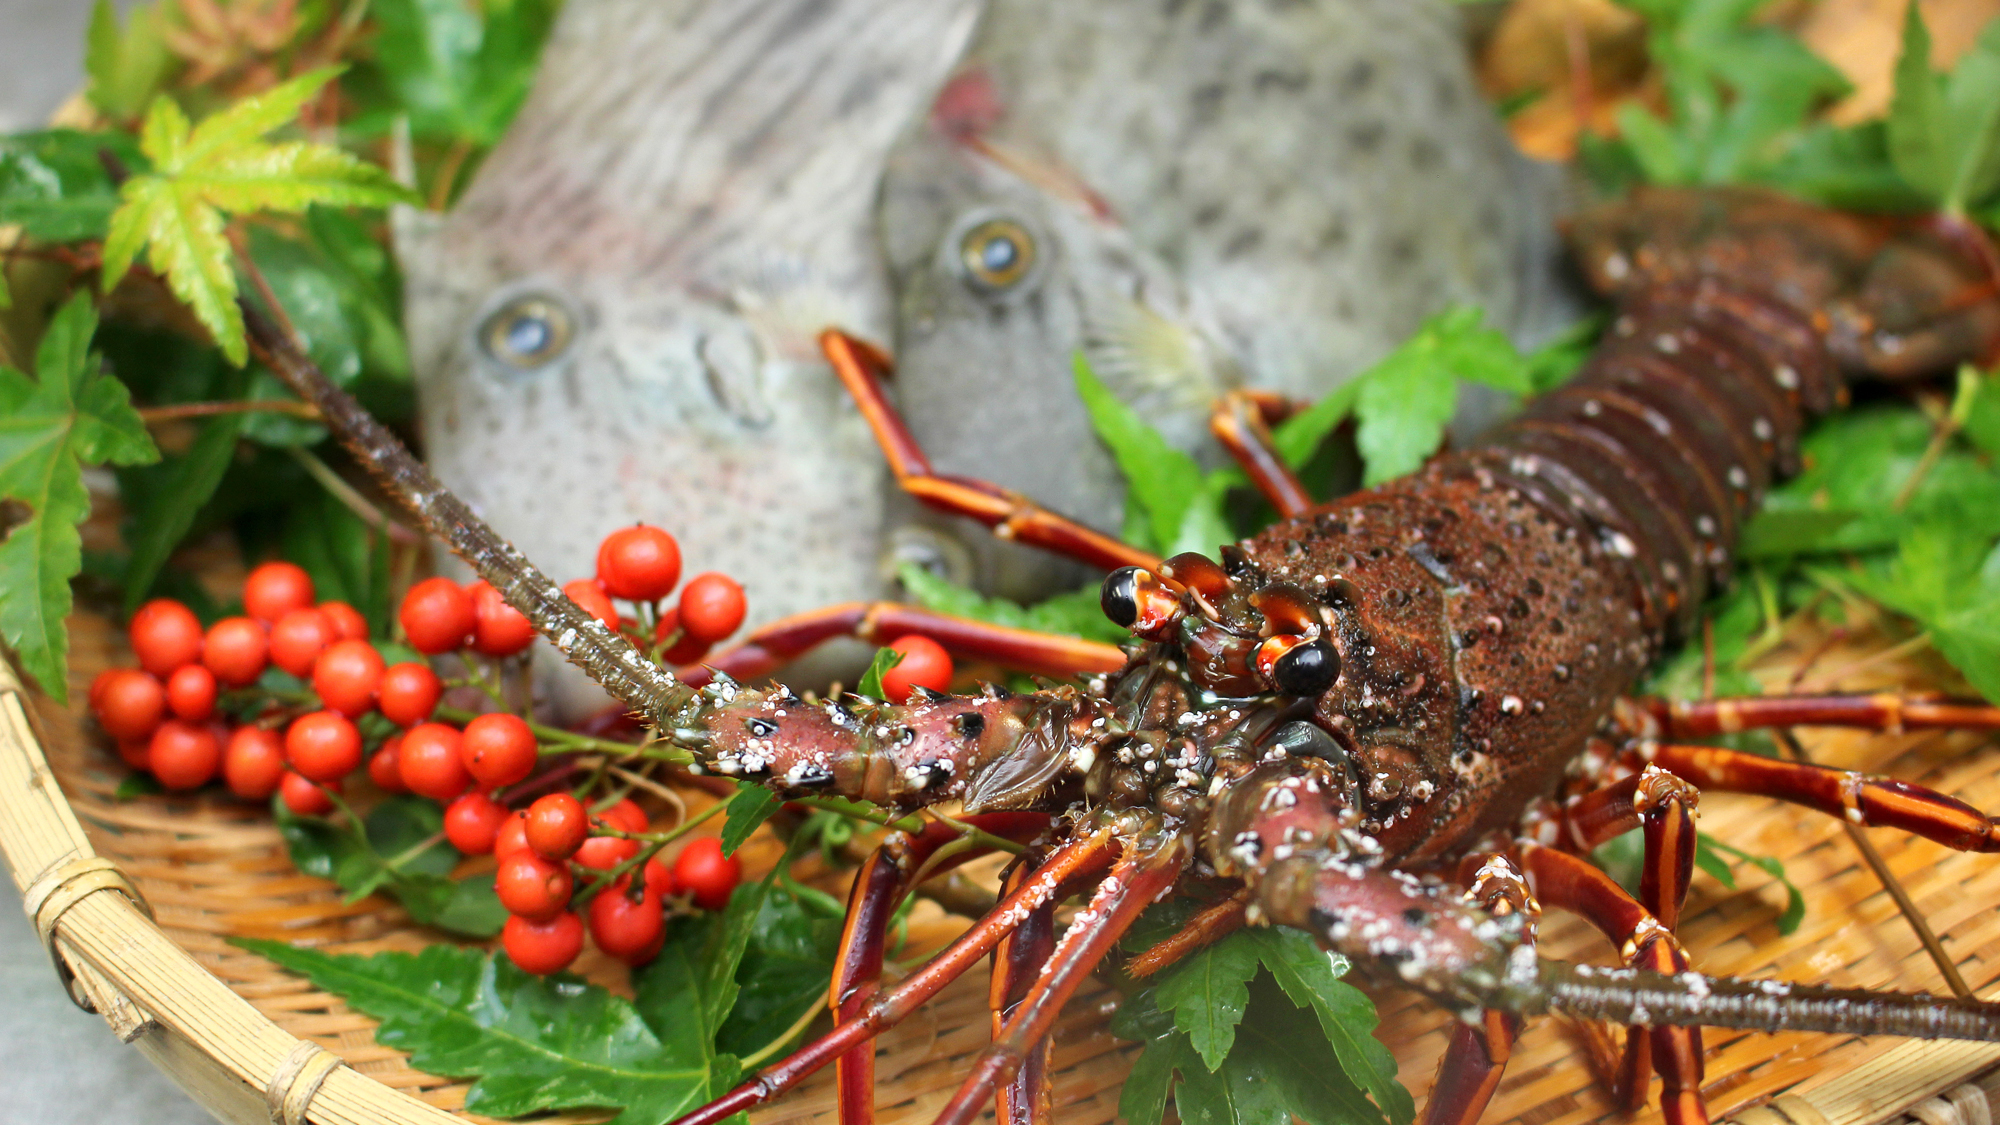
[756,1058]
[155,415]
[349,498]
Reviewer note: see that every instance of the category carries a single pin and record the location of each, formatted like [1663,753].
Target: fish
[1194,196]
[616,322]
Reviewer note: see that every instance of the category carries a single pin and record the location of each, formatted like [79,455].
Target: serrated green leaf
[396,853]
[457,72]
[1207,992]
[126,67]
[783,975]
[1310,977]
[749,809]
[1161,482]
[531,1044]
[190,480]
[54,186]
[68,416]
[1143,1101]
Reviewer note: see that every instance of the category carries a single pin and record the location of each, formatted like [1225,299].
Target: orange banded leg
[1211,924]
[880,884]
[786,639]
[1027,1097]
[1240,422]
[1879,802]
[1893,712]
[1134,883]
[1477,1055]
[1010,514]
[1067,867]
[1566,882]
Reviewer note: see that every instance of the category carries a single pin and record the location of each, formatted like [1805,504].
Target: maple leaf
[68,415]
[200,171]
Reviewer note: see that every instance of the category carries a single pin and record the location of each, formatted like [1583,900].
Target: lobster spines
[994,750]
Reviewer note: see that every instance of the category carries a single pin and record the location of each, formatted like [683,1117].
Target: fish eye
[996,254]
[526,332]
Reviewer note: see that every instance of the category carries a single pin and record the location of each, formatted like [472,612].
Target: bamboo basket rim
[117,961]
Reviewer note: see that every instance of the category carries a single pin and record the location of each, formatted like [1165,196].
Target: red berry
[437,616]
[385,769]
[305,797]
[925,663]
[543,947]
[660,878]
[236,650]
[639,563]
[130,704]
[623,928]
[556,826]
[409,693]
[498,629]
[324,746]
[711,606]
[626,816]
[588,593]
[702,869]
[165,635]
[499,749]
[688,649]
[430,761]
[275,589]
[298,638]
[184,755]
[512,839]
[253,762]
[347,621]
[137,752]
[347,676]
[473,821]
[533,887]
[602,853]
[191,692]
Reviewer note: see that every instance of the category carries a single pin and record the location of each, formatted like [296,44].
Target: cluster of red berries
[543,849]
[642,565]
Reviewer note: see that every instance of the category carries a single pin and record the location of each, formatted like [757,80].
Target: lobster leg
[1883,711]
[1138,879]
[784,640]
[1472,1065]
[1878,802]
[1215,922]
[1239,422]
[883,879]
[1026,1098]
[1010,514]
[1566,882]
[1078,860]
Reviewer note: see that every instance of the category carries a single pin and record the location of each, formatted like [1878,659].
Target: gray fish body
[616,323]
[1217,195]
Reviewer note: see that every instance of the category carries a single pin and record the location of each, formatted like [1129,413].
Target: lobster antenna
[1645,998]
[582,639]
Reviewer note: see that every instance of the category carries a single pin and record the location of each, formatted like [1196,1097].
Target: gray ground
[63,1066]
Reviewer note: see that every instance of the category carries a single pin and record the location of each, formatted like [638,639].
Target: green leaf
[531,1044]
[783,974]
[126,67]
[1161,482]
[878,666]
[1074,614]
[392,853]
[190,480]
[68,416]
[1944,133]
[752,806]
[458,72]
[1795,902]
[1310,977]
[1143,1101]
[1207,993]
[53,184]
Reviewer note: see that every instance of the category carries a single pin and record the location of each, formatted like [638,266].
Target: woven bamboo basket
[253,1044]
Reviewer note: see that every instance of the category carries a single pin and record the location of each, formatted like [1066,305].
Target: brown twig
[155,415]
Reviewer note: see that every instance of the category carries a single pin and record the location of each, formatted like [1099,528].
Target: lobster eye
[1307,669]
[1120,596]
[996,254]
[526,332]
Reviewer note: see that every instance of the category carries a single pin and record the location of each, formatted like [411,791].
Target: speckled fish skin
[1262,193]
[616,322]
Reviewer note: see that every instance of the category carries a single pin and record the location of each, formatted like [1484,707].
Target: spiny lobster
[1395,720]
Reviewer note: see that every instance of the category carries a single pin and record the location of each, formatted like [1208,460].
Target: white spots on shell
[1511,705]
[1592,408]
[1617,267]
[1667,344]
[1786,376]
[1622,545]
[1762,428]
[1738,478]
[1705,525]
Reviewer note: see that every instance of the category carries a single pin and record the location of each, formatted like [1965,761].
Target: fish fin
[1149,359]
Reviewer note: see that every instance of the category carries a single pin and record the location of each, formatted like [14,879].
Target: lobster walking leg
[1566,882]
[1026,1098]
[1214,922]
[1879,802]
[882,881]
[1140,877]
[881,622]
[1239,422]
[1077,860]
[1477,1056]
[1883,711]
[1010,514]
